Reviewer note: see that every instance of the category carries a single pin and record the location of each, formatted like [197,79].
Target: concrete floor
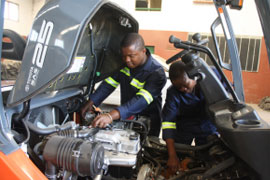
[265,115]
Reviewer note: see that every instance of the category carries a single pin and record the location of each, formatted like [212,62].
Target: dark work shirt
[140,89]
[185,112]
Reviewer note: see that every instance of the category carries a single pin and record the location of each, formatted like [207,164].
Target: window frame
[203,1]
[147,8]
[7,13]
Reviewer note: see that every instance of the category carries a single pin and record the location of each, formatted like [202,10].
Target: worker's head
[179,77]
[133,50]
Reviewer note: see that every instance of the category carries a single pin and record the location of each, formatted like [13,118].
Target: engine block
[121,146]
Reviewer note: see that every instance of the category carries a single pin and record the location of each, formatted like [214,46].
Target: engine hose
[218,168]
[21,117]
[50,171]
[153,160]
[27,132]
[23,113]
[50,130]
[37,148]
[185,147]
[157,168]
[138,122]
[191,171]
[192,148]
[182,151]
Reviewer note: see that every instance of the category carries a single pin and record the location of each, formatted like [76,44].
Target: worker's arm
[169,113]
[145,96]
[173,161]
[102,92]
[103,120]
[105,89]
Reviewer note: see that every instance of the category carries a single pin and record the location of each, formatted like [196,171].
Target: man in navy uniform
[184,113]
[141,82]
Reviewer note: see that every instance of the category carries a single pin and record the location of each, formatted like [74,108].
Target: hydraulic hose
[186,147]
[218,168]
[37,148]
[23,113]
[192,148]
[138,122]
[149,158]
[20,117]
[50,130]
[27,132]
[195,170]
[145,132]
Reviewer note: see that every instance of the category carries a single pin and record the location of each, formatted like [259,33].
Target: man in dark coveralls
[184,114]
[141,82]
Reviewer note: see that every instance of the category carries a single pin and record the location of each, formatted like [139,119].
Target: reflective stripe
[147,96]
[112,82]
[137,84]
[126,71]
[168,125]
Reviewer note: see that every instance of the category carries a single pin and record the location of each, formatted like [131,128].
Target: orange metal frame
[18,166]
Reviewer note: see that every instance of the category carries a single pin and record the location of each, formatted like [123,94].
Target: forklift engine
[87,151]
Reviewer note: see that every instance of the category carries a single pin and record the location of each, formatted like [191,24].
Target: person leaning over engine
[184,114]
[141,82]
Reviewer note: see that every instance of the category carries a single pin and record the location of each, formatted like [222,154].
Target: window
[203,1]
[151,49]
[248,47]
[148,5]
[11,11]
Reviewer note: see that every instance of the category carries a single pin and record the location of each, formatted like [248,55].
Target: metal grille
[248,47]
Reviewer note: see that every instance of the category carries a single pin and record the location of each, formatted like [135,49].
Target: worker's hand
[87,107]
[173,163]
[102,120]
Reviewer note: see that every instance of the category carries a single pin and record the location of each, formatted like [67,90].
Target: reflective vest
[140,89]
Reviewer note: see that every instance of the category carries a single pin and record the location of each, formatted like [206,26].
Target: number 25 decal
[42,43]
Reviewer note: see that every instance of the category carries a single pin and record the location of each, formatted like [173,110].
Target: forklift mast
[223,19]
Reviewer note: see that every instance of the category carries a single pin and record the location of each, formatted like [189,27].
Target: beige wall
[184,15]
[176,15]
[37,4]
[27,12]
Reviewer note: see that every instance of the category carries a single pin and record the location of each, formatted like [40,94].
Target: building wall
[27,11]
[23,25]
[182,17]
[175,15]
[256,84]
[37,4]
[186,16]
[178,17]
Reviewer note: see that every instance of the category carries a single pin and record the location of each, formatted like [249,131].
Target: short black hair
[177,70]
[131,39]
